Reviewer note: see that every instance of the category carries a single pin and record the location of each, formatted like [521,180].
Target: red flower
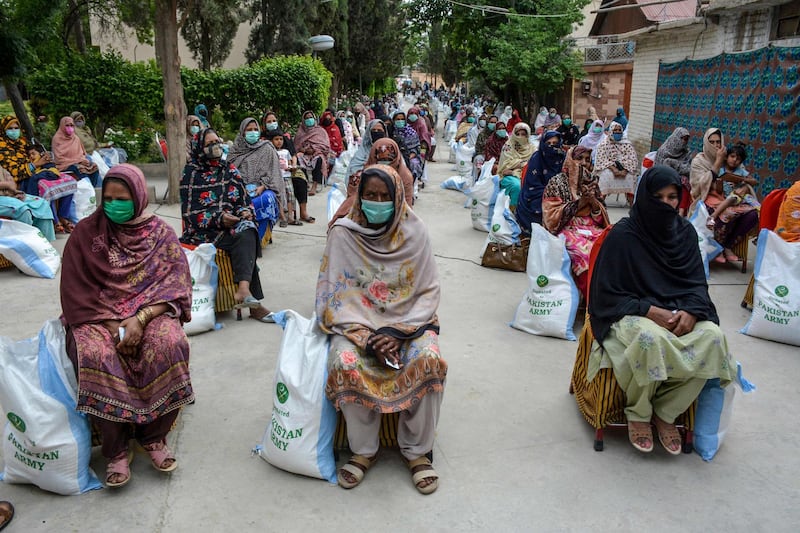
[348,358]
[379,290]
[365,302]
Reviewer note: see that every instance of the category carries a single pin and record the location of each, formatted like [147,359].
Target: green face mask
[377,212]
[491,126]
[118,211]
[252,136]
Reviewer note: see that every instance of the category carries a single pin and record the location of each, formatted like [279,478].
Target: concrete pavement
[512,450]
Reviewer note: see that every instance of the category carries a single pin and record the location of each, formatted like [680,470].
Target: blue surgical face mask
[482,123]
[195,130]
[412,117]
[616,136]
[252,136]
[503,134]
[399,124]
[310,122]
[272,126]
[491,126]
[377,212]
[471,119]
[597,129]
[13,134]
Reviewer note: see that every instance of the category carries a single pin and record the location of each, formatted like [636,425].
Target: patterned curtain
[753,97]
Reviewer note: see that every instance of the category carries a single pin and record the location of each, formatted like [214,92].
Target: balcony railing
[603,54]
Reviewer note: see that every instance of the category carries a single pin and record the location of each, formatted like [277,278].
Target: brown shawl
[111,270]
[259,163]
[702,174]
[562,194]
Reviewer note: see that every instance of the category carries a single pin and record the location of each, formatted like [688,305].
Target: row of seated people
[31,172]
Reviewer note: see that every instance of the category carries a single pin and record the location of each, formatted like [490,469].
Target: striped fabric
[226,288]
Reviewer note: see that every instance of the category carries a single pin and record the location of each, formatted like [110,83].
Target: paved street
[512,450]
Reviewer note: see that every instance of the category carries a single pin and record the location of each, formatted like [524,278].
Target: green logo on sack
[542,281]
[474,202]
[16,421]
[781,291]
[496,228]
[192,281]
[283,392]
[92,200]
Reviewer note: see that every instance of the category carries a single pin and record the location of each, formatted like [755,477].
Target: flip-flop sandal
[267,318]
[427,472]
[159,452]
[249,303]
[357,467]
[310,220]
[668,434]
[640,430]
[283,223]
[59,229]
[119,465]
[295,223]
[720,259]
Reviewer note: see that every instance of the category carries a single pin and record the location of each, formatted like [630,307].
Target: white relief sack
[776,293]
[299,437]
[84,199]
[709,247]
[205,277]
[28,249]
[548,306]
[46,442]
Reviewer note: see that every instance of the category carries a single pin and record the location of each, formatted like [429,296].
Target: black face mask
[377,135]
[327,122]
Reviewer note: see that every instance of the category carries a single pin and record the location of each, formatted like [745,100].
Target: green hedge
[115,92]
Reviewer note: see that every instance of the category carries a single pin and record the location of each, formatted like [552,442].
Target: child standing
[288,163]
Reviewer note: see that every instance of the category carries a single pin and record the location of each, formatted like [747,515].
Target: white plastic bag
[548,306]
[336,198]
[28,249]
[84,199]
[205,277]
[714,411]
[98,160]
[299,438]
[504,228]
[709,248]
[776,294]
[46,442]
[482,197]
[464,153]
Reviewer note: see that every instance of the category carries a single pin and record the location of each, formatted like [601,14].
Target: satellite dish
[321,42]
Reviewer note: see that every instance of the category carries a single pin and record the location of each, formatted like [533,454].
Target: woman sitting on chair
[377,294]
[572,207]
[216,208]
[653,320]
[126,290]
[788,225]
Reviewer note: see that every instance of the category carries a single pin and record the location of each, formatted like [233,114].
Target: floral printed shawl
[378,280]
[609,151]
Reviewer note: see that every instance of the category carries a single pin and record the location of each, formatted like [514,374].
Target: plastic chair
[601,401]
[770,208]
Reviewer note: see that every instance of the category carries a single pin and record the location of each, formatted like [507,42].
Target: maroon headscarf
[111,270]
[420,126]
[494,145]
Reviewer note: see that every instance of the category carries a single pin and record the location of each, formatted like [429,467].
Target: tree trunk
[205,45]
[166,40]
[77,25]
[12,91]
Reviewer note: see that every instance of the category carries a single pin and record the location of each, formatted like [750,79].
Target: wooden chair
[601,401]
[770,208]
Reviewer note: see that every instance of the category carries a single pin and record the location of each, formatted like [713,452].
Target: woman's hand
[246,215]
[387,348]
[260,190]
[129,345]
[662,317]
[229,221]
[682,323]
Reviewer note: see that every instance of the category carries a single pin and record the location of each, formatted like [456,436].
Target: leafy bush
[112,91]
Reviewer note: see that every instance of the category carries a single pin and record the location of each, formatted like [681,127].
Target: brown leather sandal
[638,434]
[668,436]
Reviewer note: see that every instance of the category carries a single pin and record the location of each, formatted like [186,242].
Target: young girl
[288,163]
